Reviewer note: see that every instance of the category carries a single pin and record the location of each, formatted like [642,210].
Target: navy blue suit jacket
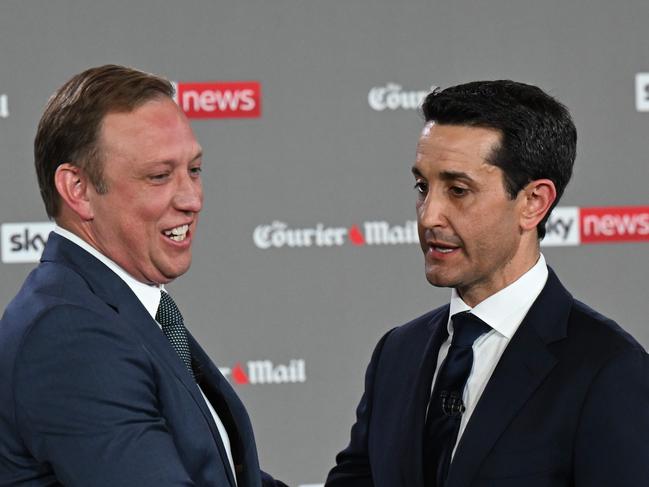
[92,393]
[567,405]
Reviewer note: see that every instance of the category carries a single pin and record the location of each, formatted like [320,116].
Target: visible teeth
[181,230]
[177,234]
[443,251]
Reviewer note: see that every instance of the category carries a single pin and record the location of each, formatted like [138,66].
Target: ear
[73,185]
[538,197]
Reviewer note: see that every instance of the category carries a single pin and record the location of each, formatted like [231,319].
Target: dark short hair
[69,128]
[538,136]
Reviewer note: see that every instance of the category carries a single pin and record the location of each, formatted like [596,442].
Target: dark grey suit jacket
[92,393]
[567,405]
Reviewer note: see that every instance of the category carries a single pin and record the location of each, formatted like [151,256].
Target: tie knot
[168,312]
[467,328]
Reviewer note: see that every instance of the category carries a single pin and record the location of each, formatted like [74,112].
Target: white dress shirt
[149,296]
[503,312]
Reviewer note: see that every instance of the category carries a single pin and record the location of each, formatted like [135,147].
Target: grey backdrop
[320,154]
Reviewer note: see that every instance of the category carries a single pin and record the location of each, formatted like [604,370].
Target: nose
[431,212]
[189,194]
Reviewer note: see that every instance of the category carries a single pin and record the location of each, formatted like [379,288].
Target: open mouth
[442,248]
[177,234]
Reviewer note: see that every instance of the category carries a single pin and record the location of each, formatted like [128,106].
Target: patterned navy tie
[445,408]
[169,317]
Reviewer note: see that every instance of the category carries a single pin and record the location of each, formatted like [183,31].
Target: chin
[176,273]
[437,281]
[169,273]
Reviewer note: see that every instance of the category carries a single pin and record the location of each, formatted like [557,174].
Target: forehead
[156,125]
[455,145]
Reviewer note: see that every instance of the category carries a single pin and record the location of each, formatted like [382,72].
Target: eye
[421,187]
[159,177]
[196,171]
[458,191]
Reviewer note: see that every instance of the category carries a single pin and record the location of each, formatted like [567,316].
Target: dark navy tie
[169,317]
[446,407]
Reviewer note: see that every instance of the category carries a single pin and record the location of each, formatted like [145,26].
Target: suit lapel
[115,293]
[411,462]
[521,369]
[157,344]
[524,364]
[233,416]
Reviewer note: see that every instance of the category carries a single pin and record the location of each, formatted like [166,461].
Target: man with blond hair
[100,380]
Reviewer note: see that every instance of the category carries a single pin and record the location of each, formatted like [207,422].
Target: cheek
[200,189]
[501,233]
[150,212]
[485,230]
[419,207]
[141,226]
[472,226]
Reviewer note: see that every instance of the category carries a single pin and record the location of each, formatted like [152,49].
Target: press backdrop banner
[306,251]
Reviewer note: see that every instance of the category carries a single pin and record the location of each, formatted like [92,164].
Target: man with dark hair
[101,383]
[514,383]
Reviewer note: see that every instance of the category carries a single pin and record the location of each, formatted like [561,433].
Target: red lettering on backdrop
[614,224]
[220,99]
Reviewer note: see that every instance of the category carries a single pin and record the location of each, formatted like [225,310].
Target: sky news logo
[609,225]
[258,372]
[393,97]
[24,242]
[562,228]
[567,226]
[219,99]
[579,226]
[4,106]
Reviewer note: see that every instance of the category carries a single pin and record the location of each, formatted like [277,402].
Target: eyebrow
[447,175]
[170,162]
[455,175]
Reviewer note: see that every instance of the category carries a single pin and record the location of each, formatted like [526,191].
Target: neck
[518,265]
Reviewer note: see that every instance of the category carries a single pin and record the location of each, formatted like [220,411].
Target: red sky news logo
[219,99]
[621,224]
[266,372]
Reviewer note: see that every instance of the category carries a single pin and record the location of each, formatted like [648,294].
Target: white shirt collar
[505,310]
[149,295]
